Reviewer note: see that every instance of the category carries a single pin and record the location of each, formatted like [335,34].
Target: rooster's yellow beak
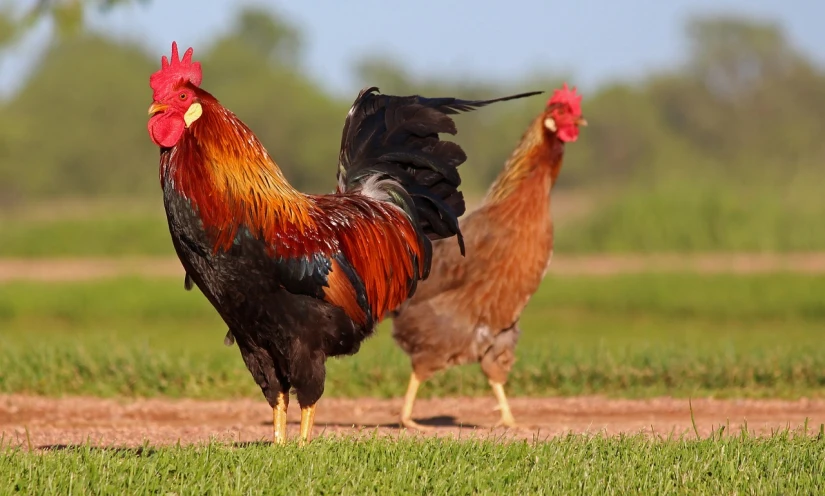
[581,122]
[157,108]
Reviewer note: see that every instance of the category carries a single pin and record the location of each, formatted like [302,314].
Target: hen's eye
[183,96]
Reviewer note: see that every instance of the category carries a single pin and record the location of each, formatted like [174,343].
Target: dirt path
[80,269]
[71,421]
[741,263]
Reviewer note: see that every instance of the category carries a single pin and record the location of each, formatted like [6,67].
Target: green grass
[782,464]
[115,235]
[685,215]
[700,216]
[632,336]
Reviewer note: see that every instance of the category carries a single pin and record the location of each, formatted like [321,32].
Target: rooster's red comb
[564,95]
[173,70]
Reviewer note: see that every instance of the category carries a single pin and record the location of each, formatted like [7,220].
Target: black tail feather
[393,137]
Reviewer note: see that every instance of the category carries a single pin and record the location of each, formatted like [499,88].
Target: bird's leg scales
[279,418]
[409,401]
[307,421]
[507,419]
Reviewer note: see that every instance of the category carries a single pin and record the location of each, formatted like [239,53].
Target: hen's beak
[581,122]
[156,108]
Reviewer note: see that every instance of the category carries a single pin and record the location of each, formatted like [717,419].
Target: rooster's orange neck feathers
[231,180]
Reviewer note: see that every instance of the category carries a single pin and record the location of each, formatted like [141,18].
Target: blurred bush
[724,152]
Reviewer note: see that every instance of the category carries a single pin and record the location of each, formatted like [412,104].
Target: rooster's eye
[183,96]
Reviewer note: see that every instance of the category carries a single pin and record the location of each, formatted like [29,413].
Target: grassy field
[684,216]
[116,235]
[699,215]
[781,464]
[630,336]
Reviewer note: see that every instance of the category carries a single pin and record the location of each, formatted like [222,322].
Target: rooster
[468,309]
[299,278]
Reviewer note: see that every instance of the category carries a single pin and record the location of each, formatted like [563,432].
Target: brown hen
[468,309]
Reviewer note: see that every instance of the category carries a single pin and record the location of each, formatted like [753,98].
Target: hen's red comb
[569,97]
[173,70]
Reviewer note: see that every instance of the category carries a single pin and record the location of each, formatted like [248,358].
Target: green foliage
[298,123]
[113,236]
[79,124]
[68,17]
[7,28]
[111,228]
[784,463]
[697,215]
[723,153]
[633,336]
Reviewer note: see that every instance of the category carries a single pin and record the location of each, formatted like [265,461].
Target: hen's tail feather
[396,138]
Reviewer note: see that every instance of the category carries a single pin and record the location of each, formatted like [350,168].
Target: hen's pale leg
[307,421]
[409,401]
[503,405]
[279,418]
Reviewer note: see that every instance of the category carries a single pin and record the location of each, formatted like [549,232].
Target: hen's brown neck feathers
[538,156]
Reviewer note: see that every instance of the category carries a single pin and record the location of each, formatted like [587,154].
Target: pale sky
[593,41]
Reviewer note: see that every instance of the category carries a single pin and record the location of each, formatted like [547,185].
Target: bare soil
[41,423]
[79,269]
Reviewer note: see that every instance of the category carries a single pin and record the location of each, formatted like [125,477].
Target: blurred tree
[67,15]
[78,127]
[78,123]
[253,70]
[8,29]
[732,56]
[624,137]
[738,102]
[718,152]
[385,72]
[270,37]
[731,157]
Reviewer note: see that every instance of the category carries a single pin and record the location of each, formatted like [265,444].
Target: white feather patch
[192,114]
[378,189]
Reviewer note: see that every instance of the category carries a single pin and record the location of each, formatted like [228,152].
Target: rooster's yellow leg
[279,418]
[409,401]
[503,405]
[307,421]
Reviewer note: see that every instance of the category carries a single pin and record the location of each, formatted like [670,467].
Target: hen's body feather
[468,309]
